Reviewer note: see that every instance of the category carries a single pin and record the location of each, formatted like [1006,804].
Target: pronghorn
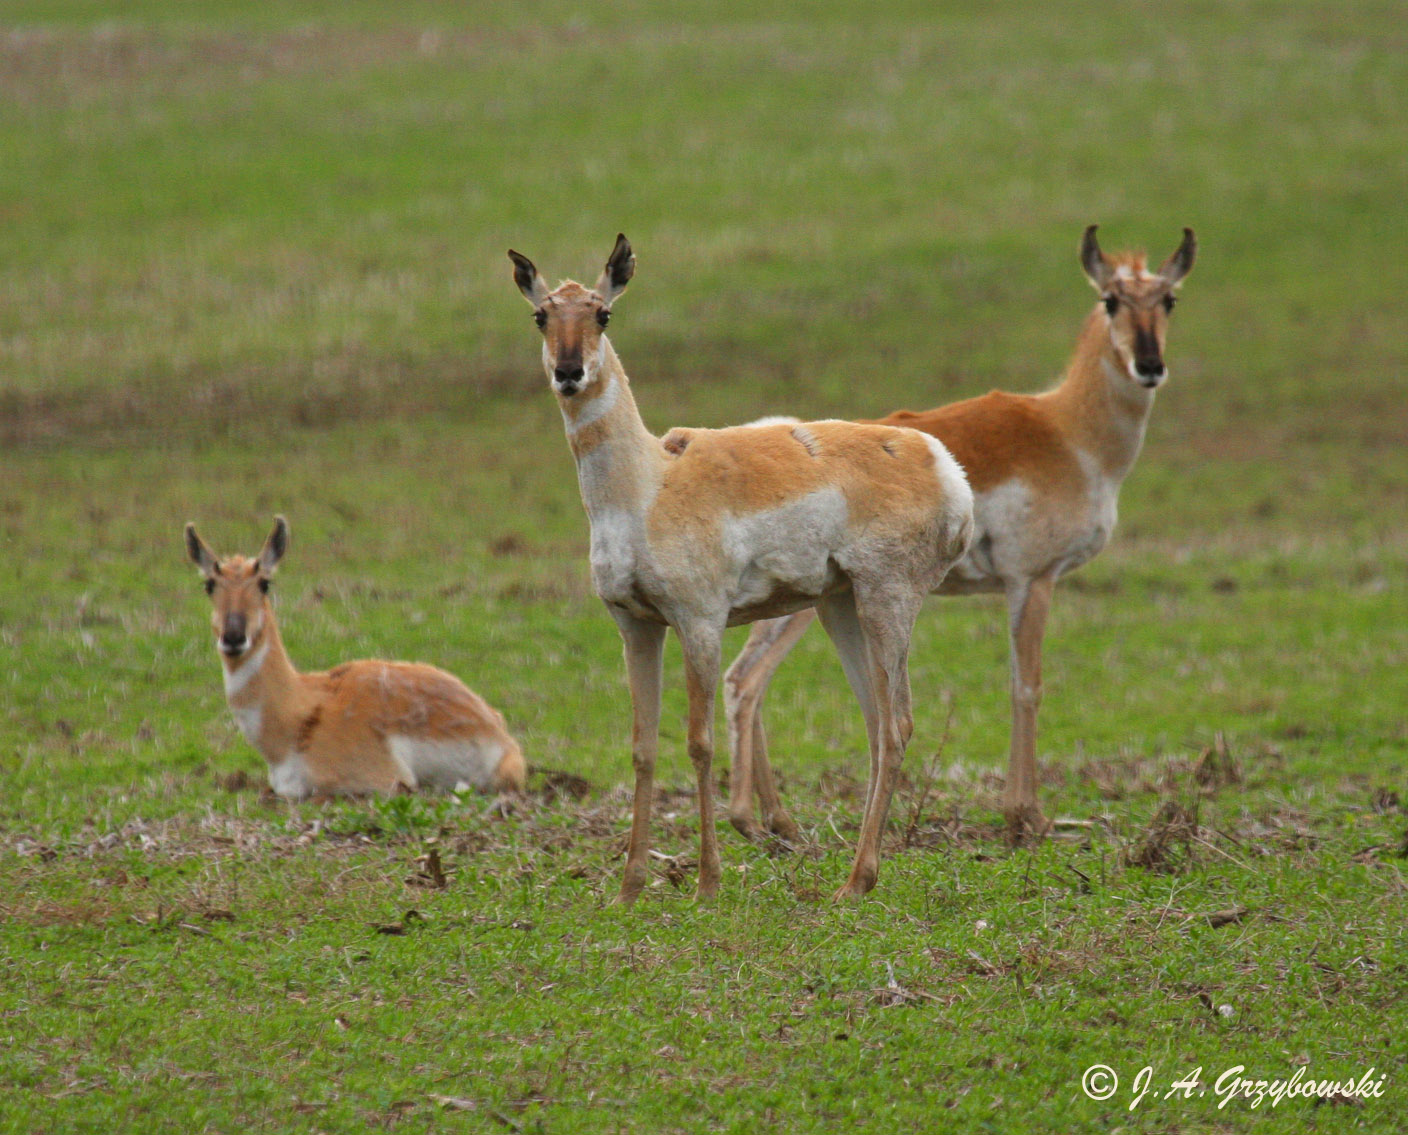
[1046,471]
[360,727]
[747,523]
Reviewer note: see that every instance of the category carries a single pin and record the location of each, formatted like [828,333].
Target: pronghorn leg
[645,652]
[745,686]
[886,622]
[839,617]
[1028,604]
[703,644]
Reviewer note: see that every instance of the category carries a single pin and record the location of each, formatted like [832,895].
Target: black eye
[1169,301]
[210,587]
[540,317]
[264,586]
[603,317]
[1112,305]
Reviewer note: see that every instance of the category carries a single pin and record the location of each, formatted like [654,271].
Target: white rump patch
[953,482]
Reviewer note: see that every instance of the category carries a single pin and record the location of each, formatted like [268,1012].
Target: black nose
[1149,368]
[569,375]
[233,636]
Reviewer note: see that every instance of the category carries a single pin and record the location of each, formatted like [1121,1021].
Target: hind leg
[885,620]
[745,687]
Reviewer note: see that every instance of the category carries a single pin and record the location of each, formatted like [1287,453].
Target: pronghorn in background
[361,727]
[860,521]
[1046,471]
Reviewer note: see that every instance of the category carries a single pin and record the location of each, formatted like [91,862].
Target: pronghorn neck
[1104,412]
[619,461]
[263,679]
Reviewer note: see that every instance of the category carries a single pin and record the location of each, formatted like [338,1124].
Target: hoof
[785,828]
[857,887]
[745,827]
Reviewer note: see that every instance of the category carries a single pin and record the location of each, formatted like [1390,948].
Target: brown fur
[1047,511]
[713,527]
[340,723]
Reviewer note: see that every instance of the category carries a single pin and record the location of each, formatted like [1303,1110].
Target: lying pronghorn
[360,727]
[1046,471]
[860,521]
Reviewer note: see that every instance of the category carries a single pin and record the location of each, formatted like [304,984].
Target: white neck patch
[237,680]
[594,410]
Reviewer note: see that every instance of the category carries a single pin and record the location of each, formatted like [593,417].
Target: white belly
[446,762]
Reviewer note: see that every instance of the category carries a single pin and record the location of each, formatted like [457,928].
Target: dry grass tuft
[1166,844]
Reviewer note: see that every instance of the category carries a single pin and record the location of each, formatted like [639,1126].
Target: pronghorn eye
[603,317]
[264,585]
[1169,301]
[540,317]
[210,587]
[1112,305]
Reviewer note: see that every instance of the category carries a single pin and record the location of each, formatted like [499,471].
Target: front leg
[645,652]
[1028,604]
[702,643]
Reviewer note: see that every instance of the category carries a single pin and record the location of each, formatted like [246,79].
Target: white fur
[764,552]
[446,763]
[249,719]
[773,420]
[237,680]
[1005,508]
[593,410]
[953,481]
[615,535]
[1103,498]
[290,777]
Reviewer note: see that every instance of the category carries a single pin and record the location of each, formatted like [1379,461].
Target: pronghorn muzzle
[234,637]
[568,377]
[1148,359]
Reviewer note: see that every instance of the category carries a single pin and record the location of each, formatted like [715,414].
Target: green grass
[252,260]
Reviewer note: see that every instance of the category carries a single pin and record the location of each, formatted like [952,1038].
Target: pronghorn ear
[274,547]
[1093,260]
[199,552]
[529,280]
[1180,263]
[620,267]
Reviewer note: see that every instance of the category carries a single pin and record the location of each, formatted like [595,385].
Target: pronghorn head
[1137,303]
[573,318]
[238,589]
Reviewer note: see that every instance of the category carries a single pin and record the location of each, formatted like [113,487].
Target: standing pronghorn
[360,727]
[1046,471]
[860,521]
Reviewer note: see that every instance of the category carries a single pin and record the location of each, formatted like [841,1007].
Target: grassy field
[252,260]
